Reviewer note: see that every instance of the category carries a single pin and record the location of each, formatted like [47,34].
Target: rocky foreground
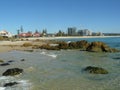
[56,45]
[82,45]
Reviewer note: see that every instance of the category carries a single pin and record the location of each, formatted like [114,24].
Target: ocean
[63,70]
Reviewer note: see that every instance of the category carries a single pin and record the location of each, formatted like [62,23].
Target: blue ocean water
[63,70]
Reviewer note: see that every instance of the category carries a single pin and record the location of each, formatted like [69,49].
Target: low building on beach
[4,33]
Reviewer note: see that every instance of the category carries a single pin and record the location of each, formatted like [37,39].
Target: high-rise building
[84,32]
[71,31]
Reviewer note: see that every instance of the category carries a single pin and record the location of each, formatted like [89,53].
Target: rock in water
[10,84]
[12,72]
[4,64]
[10,61]
[95,70]
[116,58]
[22,60]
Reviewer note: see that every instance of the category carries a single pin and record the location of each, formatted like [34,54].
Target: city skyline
[54,15]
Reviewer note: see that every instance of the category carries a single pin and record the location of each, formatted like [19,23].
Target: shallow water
[61,70]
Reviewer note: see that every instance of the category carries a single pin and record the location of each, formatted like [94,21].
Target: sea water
[63,70]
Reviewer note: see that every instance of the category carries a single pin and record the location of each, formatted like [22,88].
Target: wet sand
[6,46]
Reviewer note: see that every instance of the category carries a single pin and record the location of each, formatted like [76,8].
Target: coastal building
[84,32]
[4,33]
[71,31]
[25,34]
[97,34]
[111,34]
[36,34]
[50,35]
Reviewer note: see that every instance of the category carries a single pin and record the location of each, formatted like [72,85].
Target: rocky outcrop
[63,45]
[12,72]
[95,70]
[82,45]
[99,47]
[48,47]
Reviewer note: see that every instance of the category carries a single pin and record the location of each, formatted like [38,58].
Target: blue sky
[54,15]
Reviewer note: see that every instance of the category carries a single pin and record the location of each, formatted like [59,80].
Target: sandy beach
[6,46]
[65,37]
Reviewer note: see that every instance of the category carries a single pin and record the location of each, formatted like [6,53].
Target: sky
[54,15]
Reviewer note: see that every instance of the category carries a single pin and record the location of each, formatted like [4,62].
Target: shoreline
[68,37]
[6,46]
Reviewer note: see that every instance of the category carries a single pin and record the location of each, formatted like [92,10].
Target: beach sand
[6,46]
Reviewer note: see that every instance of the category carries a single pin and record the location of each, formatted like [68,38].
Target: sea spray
[21,84]
[49,54]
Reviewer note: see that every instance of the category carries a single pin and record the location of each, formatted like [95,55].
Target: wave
[50,55]
[2,88]
[22,84]
[43,53]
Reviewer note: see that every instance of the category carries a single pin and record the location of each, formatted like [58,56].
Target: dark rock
[95,70]
[22,60]
[12,72]
[29,50]
[10,84]
[4,64]
[11,61]
[116,58]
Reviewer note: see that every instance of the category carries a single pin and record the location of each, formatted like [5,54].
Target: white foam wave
[25,83]
[50,55]
[43,53]
[22,84]
[2,88]
[4,78]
